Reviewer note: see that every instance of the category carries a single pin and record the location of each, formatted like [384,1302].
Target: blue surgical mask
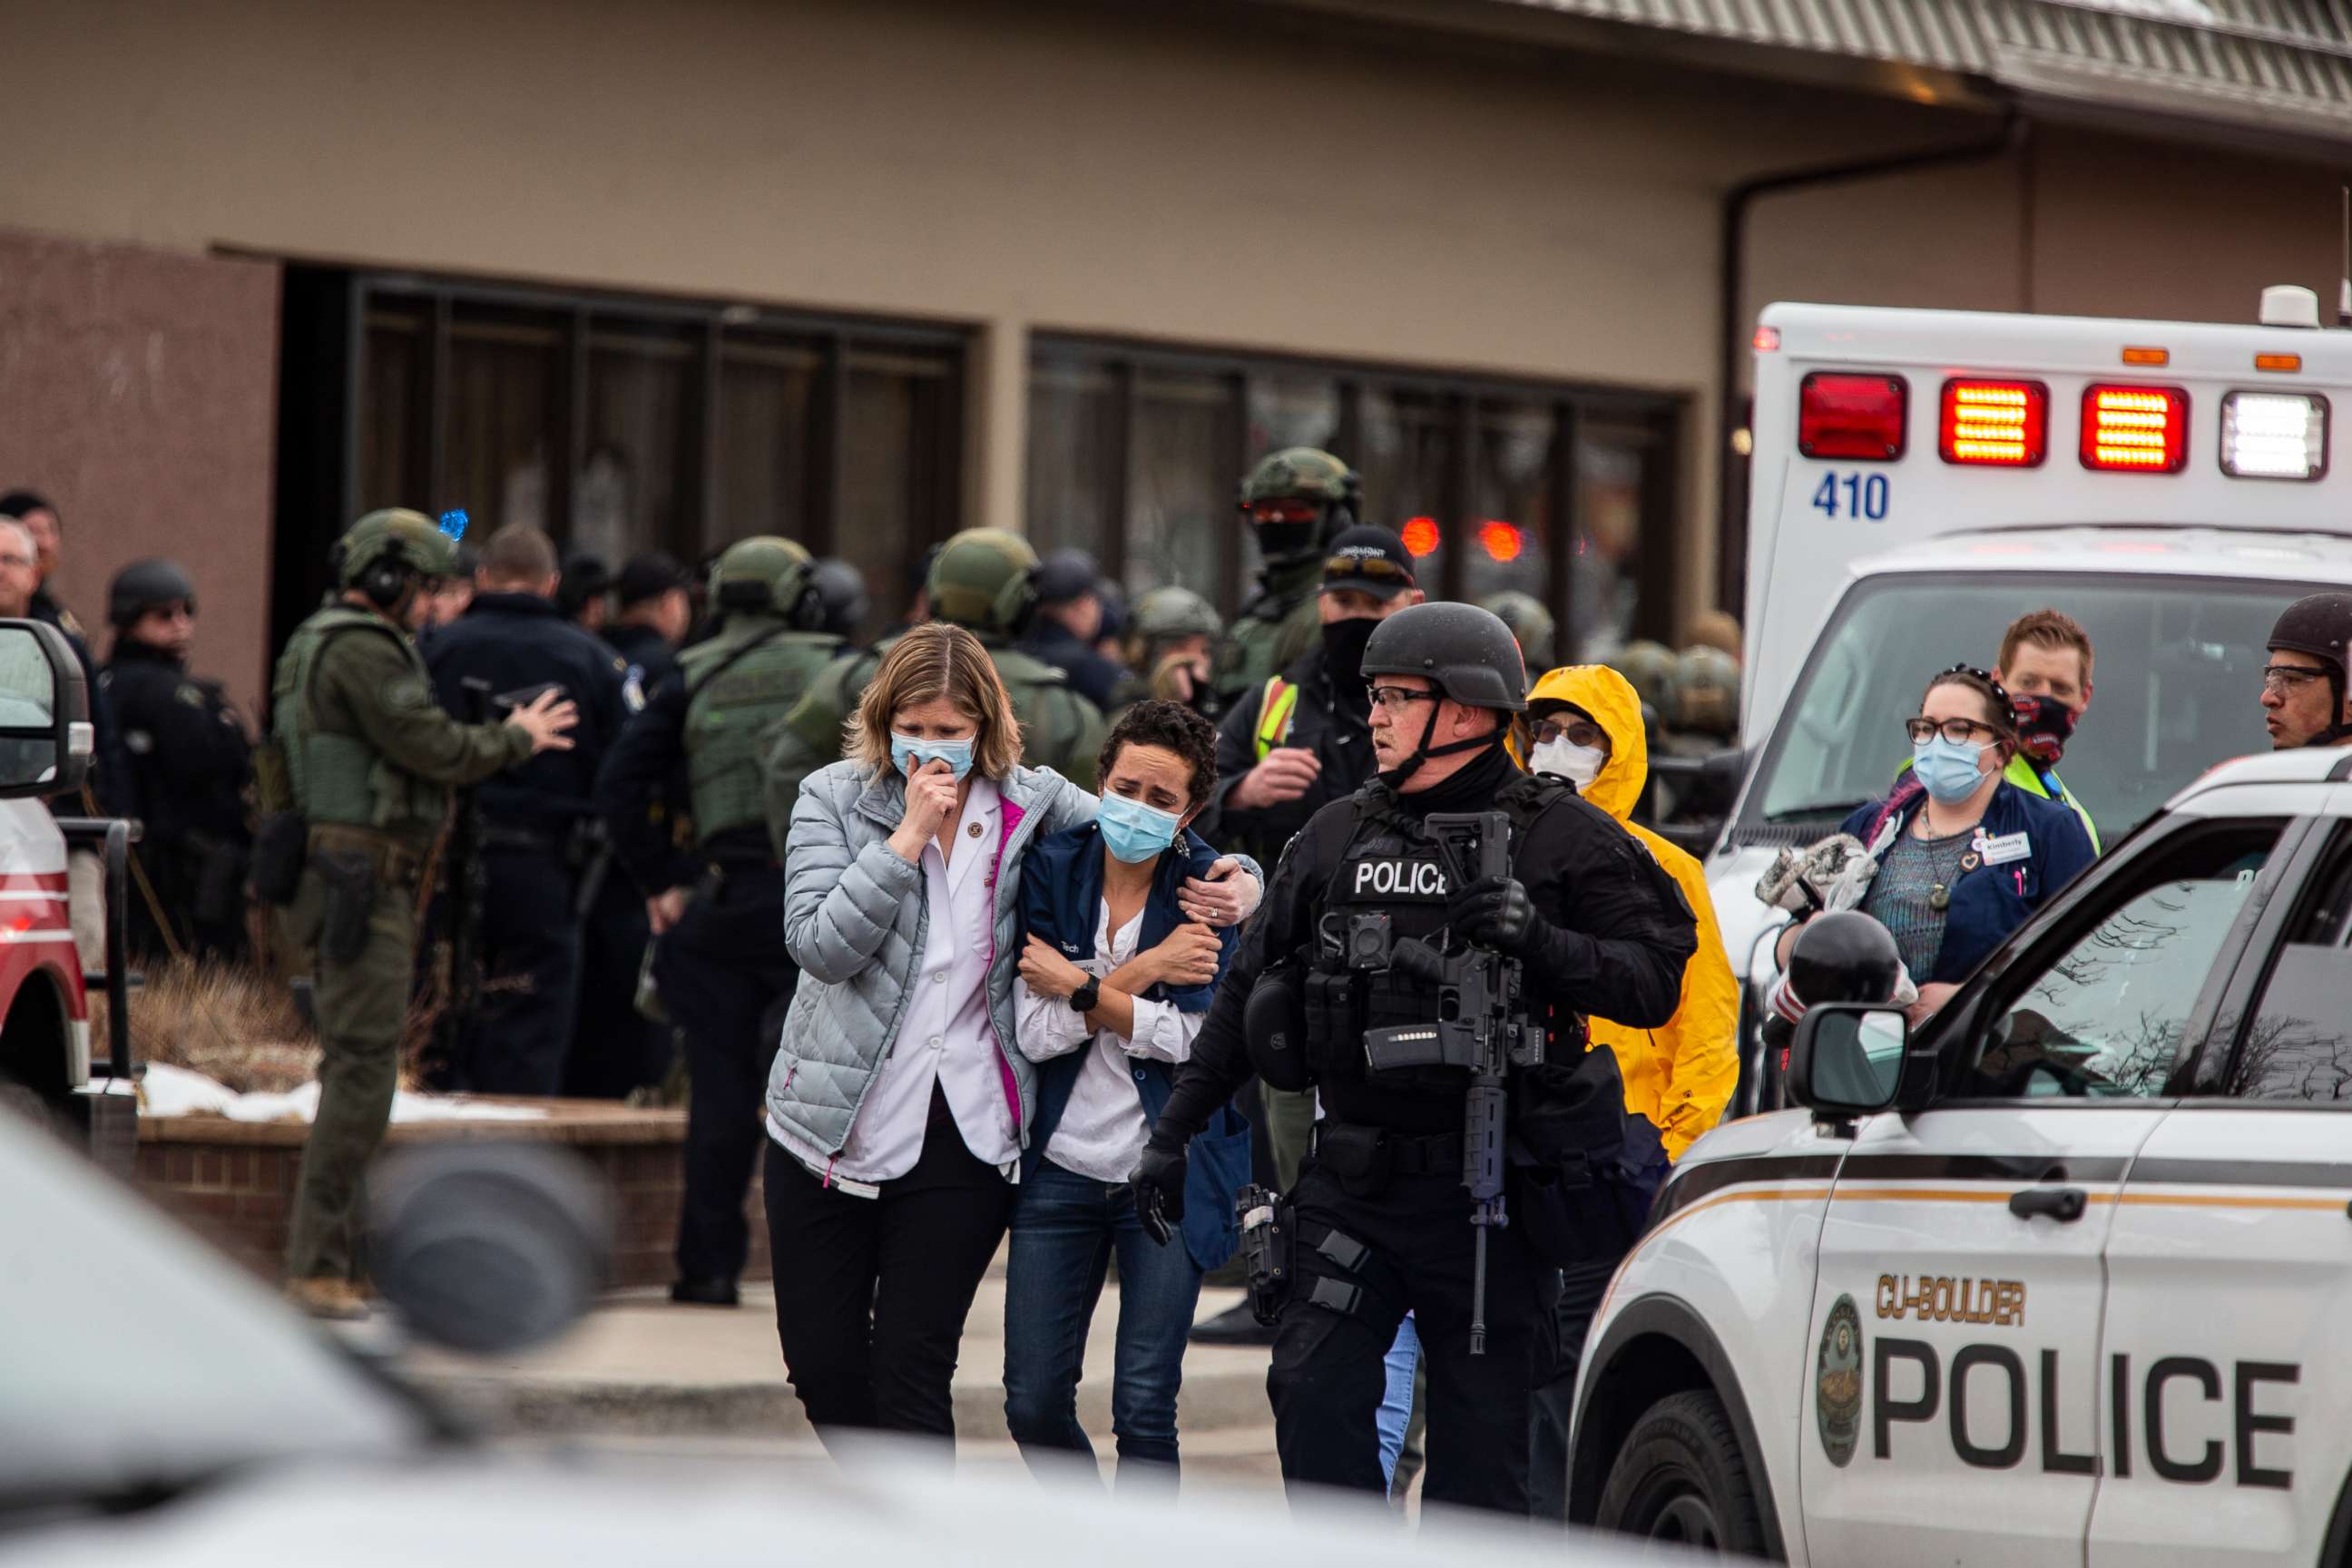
[908,753]
[1948,769]
[1133,831]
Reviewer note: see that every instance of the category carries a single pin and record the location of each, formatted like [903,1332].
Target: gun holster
[349,879]
[1266,1233]
[280,845]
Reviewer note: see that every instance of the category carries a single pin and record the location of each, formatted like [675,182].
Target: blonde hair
[936,660]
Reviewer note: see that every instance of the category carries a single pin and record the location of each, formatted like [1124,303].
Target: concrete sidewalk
[639,1366]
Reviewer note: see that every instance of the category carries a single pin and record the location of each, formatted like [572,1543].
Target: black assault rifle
[1481,1024]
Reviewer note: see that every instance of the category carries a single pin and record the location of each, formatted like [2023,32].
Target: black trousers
[1329,1370]
[726,982]
[615,1048]
[1554,1407]
[872,1293]
[520,1033]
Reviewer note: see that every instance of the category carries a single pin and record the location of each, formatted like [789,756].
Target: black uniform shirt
[186,753]
[1337,733]
[647,650]
[1612,938]
[516,642]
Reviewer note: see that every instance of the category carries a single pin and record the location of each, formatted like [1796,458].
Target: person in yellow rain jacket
[1584,724]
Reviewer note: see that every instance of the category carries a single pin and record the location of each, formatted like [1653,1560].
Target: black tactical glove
[1158,1183]
[1495,913]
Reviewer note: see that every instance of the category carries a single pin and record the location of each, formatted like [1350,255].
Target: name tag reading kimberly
[2002,848]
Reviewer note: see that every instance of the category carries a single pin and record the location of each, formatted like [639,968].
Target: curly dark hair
[1172,726]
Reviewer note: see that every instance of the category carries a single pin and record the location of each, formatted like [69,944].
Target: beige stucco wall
[1234,176]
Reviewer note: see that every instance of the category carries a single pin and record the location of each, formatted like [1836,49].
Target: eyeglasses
[1959,731]
[1282,511]
[1399,695]
[1379,568]
[1575,731]
[2284,677]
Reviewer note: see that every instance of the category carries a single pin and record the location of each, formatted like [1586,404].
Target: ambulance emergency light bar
[2125,427]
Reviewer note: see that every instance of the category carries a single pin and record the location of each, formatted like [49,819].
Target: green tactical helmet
[1172,611]
[761,575]
[984,580]
[1300,473]
[408,541]
[1707,691]
[1529,622]
[1650,667]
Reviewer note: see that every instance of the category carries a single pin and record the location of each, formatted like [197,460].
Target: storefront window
[1135,453]
[625,425]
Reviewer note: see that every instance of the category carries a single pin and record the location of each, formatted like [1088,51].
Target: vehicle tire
[1681,1477]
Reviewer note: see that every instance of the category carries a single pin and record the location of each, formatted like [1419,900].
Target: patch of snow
[169,1090]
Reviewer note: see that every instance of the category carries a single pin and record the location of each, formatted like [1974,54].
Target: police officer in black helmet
[2306,702]
[190,758]
[1379,1221]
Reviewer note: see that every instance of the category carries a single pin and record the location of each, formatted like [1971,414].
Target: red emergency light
[1500,540]
[1994,424]
[1857,418]
[2135,429]
[1420,536]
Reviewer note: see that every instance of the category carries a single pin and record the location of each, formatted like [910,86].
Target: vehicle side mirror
[1853,1058]
[45,736]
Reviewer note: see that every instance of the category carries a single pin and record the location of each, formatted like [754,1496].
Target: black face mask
[1343,657]
[2043,727]
[1282,542]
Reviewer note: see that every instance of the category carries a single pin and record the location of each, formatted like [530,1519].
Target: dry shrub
[230,1022]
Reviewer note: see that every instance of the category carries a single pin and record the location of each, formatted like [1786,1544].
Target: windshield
[138,1358]
[2176,686]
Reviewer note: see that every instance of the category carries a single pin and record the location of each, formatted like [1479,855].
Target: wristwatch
[1084,998]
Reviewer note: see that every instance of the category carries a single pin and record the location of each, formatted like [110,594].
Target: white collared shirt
[1102,1132]
[945,1036]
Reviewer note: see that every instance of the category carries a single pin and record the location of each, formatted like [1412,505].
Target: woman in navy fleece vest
[1115,982]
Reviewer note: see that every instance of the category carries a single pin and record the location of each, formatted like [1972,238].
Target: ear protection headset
[383,582]
[1014,602]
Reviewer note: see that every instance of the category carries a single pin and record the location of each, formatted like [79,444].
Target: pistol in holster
[1265,1249]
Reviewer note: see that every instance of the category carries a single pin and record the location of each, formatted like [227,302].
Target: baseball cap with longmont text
[1368,560]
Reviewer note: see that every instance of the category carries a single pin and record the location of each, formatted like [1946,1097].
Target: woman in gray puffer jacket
[898,1104]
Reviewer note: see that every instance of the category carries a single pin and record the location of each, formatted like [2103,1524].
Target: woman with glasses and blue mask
[899,1106]
[1964,856]
[1115,980]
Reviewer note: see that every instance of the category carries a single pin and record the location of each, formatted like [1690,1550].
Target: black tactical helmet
[1844,957]
[2319,624]
[840,589]
[144,585]
[1465,652]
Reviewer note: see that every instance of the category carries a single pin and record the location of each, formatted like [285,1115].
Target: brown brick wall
[233,1183]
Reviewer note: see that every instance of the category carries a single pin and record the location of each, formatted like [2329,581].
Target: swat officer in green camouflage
[1297,499]
[983,580]
[717,915]
[363,759]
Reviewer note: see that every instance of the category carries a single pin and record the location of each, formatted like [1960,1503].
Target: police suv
[2063,1276]
[1921,477]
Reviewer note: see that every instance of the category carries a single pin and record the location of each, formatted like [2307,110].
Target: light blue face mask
[908,753]
[1948,769]
[1133,831]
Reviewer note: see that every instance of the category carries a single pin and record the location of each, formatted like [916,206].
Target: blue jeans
[1396,1399]
[1064,1228]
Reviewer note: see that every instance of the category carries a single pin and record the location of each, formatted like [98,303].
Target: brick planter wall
[233,1182]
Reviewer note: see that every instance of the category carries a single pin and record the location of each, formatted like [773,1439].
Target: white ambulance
[1922,477]
[2063,1276]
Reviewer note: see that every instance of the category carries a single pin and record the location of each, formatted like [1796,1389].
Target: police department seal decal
[1837,1382]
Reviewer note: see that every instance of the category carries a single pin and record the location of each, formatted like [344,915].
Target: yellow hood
[1614,705]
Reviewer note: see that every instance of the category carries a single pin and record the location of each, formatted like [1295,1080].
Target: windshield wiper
[1840,809]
